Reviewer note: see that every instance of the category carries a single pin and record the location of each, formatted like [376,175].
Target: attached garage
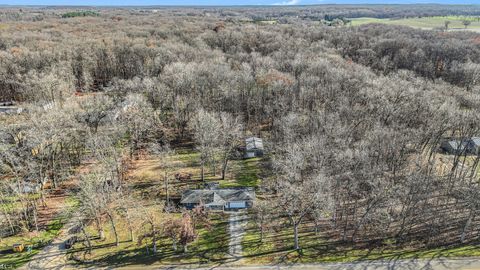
[237,205]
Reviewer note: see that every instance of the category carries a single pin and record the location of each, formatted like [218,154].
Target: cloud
[288,3]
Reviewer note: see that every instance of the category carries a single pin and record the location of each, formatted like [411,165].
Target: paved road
[237,223]
[436,264]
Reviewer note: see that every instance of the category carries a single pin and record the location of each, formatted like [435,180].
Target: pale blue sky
[224,2]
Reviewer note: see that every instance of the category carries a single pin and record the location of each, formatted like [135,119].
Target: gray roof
[475,141]
[27,187]
[217,196]
[456,144]
[10,110]
[254,143]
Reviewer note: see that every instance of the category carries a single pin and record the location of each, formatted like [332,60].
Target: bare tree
[230,134]
[206,133]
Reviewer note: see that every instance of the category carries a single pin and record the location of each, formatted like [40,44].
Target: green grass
[80,14]
[278,247]
[38,242]
[245,173]
[210,246]
[425,22]
[147,178]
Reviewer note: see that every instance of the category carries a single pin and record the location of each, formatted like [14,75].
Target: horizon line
[240,5]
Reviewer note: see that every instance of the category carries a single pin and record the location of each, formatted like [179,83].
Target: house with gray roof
[454,146]
[253,147]
[462,146]
[10,110]
[219,199]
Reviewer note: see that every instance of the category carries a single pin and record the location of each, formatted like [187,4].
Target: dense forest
[352,116]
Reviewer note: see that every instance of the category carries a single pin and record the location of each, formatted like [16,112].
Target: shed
[253,147]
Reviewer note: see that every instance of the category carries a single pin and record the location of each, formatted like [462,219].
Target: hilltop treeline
[258,13]
[353,116]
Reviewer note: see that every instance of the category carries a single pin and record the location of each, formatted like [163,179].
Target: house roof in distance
[254,143]
[475,141]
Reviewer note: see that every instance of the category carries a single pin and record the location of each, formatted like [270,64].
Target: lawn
[277,247]
[243,173]
[146,181]
[211,246]
[424,22]
[147,174]
[36,240]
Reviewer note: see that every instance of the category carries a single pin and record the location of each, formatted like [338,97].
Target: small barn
[219,199]
[253,147]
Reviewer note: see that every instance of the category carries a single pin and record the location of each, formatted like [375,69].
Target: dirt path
[237,224]
[52,256]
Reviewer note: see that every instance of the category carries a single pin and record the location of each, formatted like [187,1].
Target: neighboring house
[474,145]
[454,146]
[254,147]
[27,188]
[219,199]
[462,146]
[10,110]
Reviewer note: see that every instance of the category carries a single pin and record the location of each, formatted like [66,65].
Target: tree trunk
[167,199]
[101,233]
[114,228]
[132,235]
[174,243]
[130,227]
[295,235]
[154,239]
[35,215]
[465,228]
[224,168]
[214,167]
[203,171]
[261,234]
[87,238]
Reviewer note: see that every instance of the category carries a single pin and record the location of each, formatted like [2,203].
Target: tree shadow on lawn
[200,253]
[165,255]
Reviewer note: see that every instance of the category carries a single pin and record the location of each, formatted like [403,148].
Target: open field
[424,22]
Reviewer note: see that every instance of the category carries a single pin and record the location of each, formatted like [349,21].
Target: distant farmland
[456,22]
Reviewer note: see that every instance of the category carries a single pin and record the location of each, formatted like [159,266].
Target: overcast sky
[225,2]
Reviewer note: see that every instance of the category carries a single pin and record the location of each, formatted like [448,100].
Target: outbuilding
[253,147]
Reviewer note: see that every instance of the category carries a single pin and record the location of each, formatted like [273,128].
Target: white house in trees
[253,147]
